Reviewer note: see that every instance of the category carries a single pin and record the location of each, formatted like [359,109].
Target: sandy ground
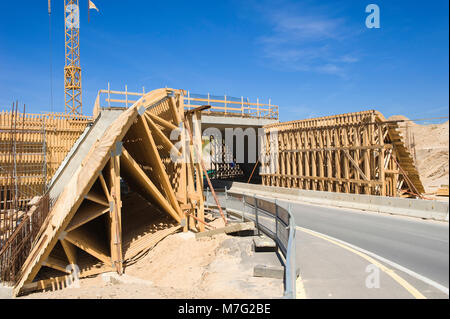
[431,146]
[181,266]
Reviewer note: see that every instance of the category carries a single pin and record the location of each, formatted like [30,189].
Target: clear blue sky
[312,58]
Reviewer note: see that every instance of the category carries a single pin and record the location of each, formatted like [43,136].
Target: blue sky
[312,58]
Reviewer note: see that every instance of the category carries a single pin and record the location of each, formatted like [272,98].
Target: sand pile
[429,145]
[181,266]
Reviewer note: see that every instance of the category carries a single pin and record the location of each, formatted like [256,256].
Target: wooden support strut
[163,138]
[186,121]
[130,165]
[155,158]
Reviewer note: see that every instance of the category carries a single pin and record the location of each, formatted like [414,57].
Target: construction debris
[232,228]
[276,272]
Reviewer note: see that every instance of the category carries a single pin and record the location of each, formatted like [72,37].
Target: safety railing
[226,105]
[229,105]
[271,219]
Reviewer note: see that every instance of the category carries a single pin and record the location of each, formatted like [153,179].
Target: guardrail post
[243,207]
[276,220]
[291,269]
[256,214]
[226,201]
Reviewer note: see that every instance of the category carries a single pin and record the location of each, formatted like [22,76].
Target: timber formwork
[127,194]
[359,153]
[32,147]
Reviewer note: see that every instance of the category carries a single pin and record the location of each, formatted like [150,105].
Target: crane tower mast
[72,68]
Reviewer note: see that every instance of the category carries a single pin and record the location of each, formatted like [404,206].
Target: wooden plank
[105,187]
[116,216]
[174,110]
[82,239]
[341,180]
[56,263]
[162,137]
[134,169]
[168,125]
[355,165]
[152,152]
[70,250]
[198,142]
[87,212]
[232,228]
[97,198]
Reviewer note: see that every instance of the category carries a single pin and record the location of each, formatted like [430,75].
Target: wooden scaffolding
[127,195]
[359,153]
[32,147]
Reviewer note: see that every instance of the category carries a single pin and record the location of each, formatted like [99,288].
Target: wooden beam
[200,206]
[155,158]
[174,110]
[83,239]
[162,122]
[162,137]
[105,187]
[197,109]
[87,212]
[340,180]
[355,164]
[130,165]
[116,215]
[70,250]
[56,263]
[97,198]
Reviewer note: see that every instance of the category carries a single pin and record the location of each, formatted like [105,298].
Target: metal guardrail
[427,209]
[274,221]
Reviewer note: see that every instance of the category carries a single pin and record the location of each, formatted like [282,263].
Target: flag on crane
[91,6]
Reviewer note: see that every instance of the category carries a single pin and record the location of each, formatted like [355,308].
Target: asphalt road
[419,245]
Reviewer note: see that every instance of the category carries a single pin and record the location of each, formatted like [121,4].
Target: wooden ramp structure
[359,153]
[127,194]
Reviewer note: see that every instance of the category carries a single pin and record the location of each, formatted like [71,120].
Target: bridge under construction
[107,188]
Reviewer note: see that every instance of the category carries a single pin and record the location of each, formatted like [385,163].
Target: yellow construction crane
[72,69]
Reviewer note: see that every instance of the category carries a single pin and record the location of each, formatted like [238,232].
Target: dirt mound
[181,266]
[429,146]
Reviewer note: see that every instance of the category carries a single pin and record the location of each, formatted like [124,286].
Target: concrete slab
[6,292]
[115,279]
[268,271]
[264,243]
[221,122]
